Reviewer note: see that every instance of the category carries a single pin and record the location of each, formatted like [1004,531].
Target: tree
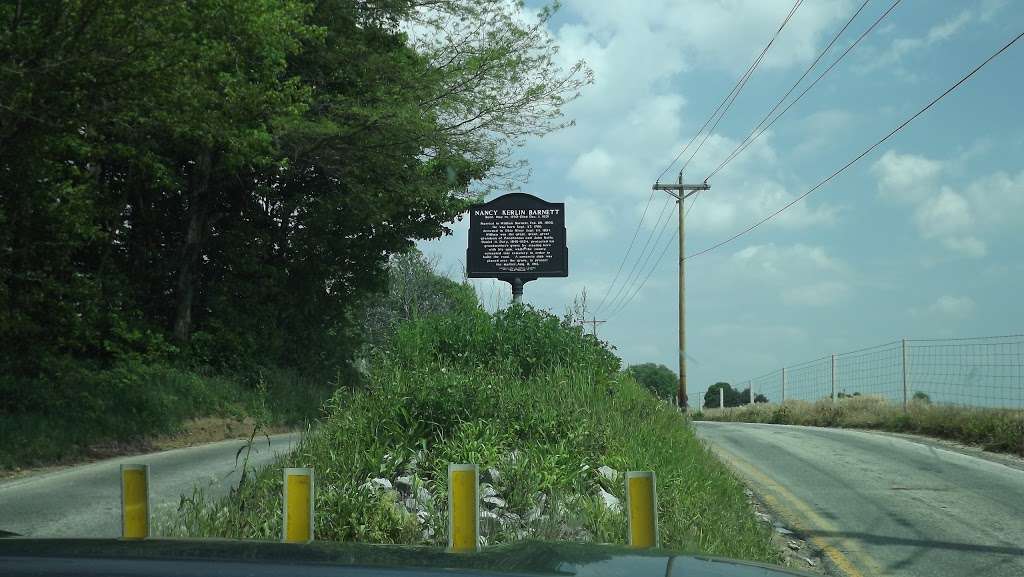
[659,379]
[234,175]
[414,290]
[733,398]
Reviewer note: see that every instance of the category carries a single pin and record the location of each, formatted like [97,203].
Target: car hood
[228,557]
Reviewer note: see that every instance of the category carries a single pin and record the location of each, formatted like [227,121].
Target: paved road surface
[883,505]
[84,501]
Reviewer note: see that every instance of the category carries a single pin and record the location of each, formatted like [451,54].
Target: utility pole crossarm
[593,324]
[679,189]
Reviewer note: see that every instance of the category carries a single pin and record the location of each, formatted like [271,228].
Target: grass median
[1000,430]
[543,409]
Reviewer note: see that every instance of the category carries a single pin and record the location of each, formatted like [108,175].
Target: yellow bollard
[297,516]
[463,507]
[642,509]
[134,501]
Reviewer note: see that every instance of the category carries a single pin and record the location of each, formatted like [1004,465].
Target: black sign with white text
[517,235]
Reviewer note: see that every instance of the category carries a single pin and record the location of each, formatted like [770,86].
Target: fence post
[833,377]
[721,398]
[750,392]
[903,354]
[783,384]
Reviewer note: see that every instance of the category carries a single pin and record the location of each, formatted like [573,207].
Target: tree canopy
[224,181]
[659,379]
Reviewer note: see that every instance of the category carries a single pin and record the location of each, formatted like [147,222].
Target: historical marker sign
[517,236]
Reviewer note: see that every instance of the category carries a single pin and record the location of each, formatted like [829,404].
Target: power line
[759,130]
[625,257]
[635,291]
[727,102]
[743,83]
[629,277]
[735,90]
[862,154]
[657,261]
[795,84]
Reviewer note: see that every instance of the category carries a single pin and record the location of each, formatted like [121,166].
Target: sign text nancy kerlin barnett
[517,237]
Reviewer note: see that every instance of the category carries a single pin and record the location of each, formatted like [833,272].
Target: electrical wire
[727,102]
[636,265]
[862,154]
[742,84]
[657,261]
[761,129]
[625,257]
[735,90]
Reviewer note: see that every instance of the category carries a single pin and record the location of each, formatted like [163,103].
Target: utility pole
[681,192]
[593,325]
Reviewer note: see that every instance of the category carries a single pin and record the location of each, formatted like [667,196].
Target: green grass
[77,407]
[999,430]
[520,392]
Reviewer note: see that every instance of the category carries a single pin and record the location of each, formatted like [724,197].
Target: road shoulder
[194,433]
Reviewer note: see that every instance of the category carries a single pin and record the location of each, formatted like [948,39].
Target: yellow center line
[787,502]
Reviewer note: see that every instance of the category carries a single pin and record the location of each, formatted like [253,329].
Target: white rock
[608,473]
[489,522]
[534,514]
[783,531]
[412,505]
[811,562]
[495,501]
[423,496]
[487,491]
[404,483]
[493,475]
[610,501]
[376,484]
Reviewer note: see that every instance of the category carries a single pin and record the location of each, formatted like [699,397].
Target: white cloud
[946,214]
[998,199]
[585,220]
[952,306]
[904,46]
[803,276]
[989,8]
[695,29]
[775,260]
[958,219]
[593,168]
[823,129]
[906,177]
[819,294]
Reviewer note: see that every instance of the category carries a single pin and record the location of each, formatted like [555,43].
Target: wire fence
[980,372]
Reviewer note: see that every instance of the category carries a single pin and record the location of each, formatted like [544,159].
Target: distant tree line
[733,398]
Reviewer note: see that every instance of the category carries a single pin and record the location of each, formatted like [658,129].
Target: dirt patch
[210,430]
[194,432]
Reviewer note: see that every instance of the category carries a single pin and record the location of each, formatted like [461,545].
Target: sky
[922,238]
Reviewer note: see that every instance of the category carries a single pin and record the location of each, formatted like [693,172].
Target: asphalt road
[84,501]
[878,504]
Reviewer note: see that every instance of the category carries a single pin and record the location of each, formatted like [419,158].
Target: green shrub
[520,391]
